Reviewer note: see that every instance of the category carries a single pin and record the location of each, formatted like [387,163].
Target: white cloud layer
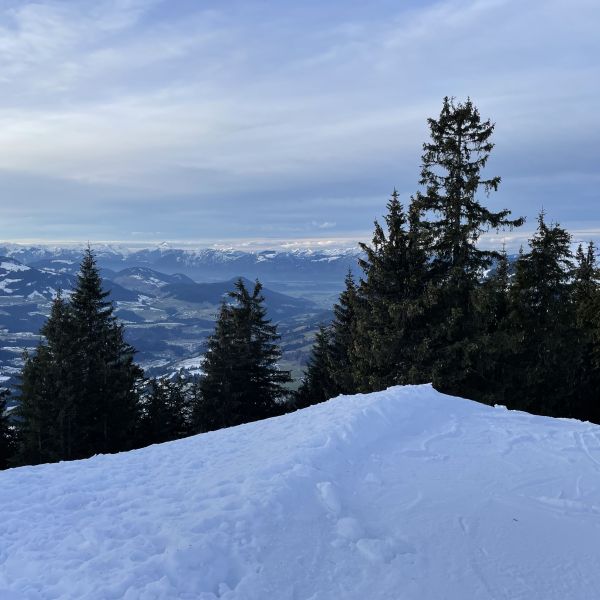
[242,119]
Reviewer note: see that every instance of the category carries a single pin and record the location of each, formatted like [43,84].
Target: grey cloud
[268,118]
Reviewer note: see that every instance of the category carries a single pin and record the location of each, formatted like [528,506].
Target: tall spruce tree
[79,391]
[108,378]
[541,318]
[451,174]
[241,379]
[215,406]
[390,329]
[342,368]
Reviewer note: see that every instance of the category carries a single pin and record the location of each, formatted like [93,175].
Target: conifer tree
[165,412]
[586,278]
[79,391]
[318,384]
[108,377]
[541,323]
[390,334]
[584,364]
[215,404]
[451,167]
[342,370]
[487,370]
[48,428]
[451,174]
[241,379]
[6,432]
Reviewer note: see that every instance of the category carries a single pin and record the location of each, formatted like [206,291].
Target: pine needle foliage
[241,380]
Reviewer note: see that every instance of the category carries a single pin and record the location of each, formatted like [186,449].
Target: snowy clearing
[403,494]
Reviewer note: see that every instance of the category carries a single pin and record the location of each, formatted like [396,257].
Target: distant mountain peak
[200,264]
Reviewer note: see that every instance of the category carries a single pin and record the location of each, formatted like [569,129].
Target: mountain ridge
[201,264]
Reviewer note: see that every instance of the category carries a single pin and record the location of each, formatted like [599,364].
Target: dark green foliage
[584,360]
[107,376]
[541,321]
[451,168]
[242,381]
[343,338]
[390,335]
[165,411]
[47,408]
[455,218]
[7,435]
[487,372]
[318,384]
[79,388]
[213,400]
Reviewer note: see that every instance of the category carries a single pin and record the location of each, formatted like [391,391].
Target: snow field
[402,494]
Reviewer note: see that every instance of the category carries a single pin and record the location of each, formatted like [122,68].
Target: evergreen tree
[165,412]
[241,379]
[541,323]
[6,432]
[584,364]
[451,173]
[215,406]
[79,388]
[47,403]
[342,340]
[451,168]
[390,330]
[487,369]
[318,384]
[107,376]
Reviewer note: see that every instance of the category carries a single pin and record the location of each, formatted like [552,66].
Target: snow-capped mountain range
[19,281]
[200,264]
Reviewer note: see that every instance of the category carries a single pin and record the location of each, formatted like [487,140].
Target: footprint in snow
[383,551]
[329,497]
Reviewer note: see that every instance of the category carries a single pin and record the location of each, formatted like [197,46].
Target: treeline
[81,392]
[433,306]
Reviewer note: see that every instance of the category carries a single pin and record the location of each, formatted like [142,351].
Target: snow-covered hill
[19,280]
[401,494]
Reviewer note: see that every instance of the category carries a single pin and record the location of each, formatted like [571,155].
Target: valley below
[168,299]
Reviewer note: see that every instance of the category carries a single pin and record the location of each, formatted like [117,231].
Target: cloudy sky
[180,120]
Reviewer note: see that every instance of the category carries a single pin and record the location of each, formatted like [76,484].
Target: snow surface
[403,494]
[13,267]
[192,365]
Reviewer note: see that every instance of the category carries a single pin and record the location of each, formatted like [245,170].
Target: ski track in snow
[403,494]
